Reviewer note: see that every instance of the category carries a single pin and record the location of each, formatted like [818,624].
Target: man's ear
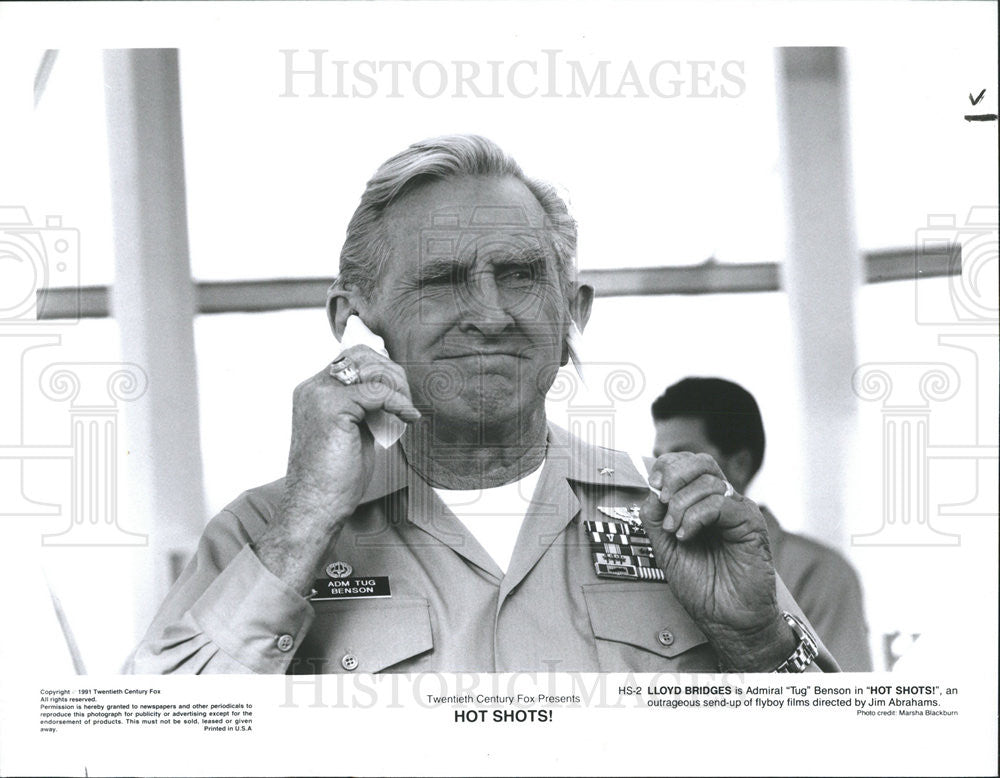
[340,304]
[579,311]
[579,306]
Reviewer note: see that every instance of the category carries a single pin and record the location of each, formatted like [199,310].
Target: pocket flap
[376,633]
[644,615]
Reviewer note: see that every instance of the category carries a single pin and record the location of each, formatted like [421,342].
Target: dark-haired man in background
[718,417]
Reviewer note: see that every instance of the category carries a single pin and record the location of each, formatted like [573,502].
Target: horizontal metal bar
[708,278]
[92,302]
[254,296]
[895,265]
[73,302]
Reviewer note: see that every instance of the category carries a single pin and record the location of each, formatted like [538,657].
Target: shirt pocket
[640,627]
[365,636]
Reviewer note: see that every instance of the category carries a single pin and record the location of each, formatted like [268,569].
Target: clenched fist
[330,460]
[712,545]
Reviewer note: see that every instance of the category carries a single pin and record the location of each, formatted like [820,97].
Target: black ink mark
[976,101]
[981,117]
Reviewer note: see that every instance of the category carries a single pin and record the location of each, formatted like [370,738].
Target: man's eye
[516,275]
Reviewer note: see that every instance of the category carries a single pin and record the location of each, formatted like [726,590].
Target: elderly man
[722,419]
[485,539]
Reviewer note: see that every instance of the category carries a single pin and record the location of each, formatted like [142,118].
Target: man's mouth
[480,354]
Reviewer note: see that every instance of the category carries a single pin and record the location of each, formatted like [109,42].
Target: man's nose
[486,309]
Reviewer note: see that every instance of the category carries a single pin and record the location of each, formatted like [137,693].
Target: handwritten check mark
[976,101]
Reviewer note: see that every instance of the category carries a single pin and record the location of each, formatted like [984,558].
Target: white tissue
[639,463]
[385,428]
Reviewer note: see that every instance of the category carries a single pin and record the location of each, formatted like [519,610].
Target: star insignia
[606,471]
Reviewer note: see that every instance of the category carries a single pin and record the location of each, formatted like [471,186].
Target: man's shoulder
[822,553]
[255,507]
[812,556]
[590,463]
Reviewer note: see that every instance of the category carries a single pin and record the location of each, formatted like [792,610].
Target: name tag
[350,588]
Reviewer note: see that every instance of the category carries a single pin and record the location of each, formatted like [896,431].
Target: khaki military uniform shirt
[451,609]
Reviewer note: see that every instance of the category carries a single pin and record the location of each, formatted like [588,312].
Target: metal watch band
[804,653]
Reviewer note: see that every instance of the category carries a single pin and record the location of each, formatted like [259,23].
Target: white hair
[367,248]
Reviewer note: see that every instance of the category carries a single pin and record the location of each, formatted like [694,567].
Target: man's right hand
[330,461]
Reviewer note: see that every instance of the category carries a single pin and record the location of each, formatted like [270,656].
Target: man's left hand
[715,554]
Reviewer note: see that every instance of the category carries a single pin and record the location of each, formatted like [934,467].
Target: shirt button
[349,662]
[665,637]
[285,643]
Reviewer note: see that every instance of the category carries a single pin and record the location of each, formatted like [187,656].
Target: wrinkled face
[470,301]
[684,433]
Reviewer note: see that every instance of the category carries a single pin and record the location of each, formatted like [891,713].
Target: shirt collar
[595,465]
[389,473]
[580,461]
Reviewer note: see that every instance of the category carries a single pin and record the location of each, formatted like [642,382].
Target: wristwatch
[805,652]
